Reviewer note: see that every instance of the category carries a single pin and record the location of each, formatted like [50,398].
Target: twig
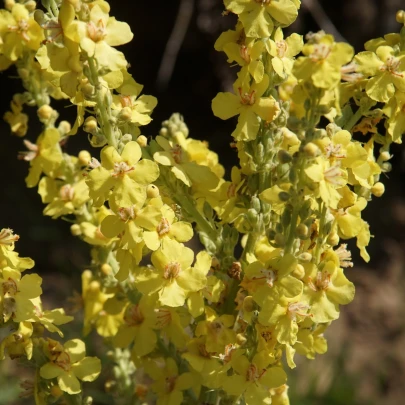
[174,43]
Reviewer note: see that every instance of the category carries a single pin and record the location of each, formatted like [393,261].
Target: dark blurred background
[366,361]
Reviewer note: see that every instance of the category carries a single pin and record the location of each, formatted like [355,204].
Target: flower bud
[292,175]
[271,234]
[90,125]
[75,230]
[311,150]
[305,257]
[45,112]
[333,239]
[106,269]
[241,339]
[252,216]
[400,16]
[386,167]
[378,189]
[88,90]
[142,141]
[30,5]
[164,132]
[255,203]
[283,156]
[248,304]
[299,271]
[126,138]
[94,286]
[8,4]
[152,191]
[302,231]
[384,156]
[55,391]
[279,239]
[64,127]
[84,157]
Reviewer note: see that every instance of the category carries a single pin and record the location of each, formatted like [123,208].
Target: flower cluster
[22,313]
[217,325]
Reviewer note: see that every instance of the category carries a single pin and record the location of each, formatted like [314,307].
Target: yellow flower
[217,329]
[17,294]
[259,17]
[18,30]
[326,289]
[125,174]
[254,379]
[387,71]
[139,321]
[248,103]
[174,278]
[322,62]
[44,156]
[98,35]
[283,51]
[169,383]
[168,227]
[246,52]
[70,365]
[19,343]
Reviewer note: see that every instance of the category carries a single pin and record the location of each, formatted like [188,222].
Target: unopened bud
[84,157]
[94,286]
[55,391]
[333,239]
[248,304]
[384,156]
[378,189]
[279,239]
[142,141]
[75,230]
[126,138]
[45,112]
[311,150]
[302,231]
[299,271]
[88,90]
[152,191]
[252,216]
[241,339]
[386,167]
[30,5]
[164,132]
[305,257]
[64,127]
[106,269]
[283,196]
[90,125]
[271,234]
[8,4]
[284,156]
[400,16]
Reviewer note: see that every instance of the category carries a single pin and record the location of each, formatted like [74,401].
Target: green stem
[188,205]
[103,110]
[292,228]
[320,238]
[355,118]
